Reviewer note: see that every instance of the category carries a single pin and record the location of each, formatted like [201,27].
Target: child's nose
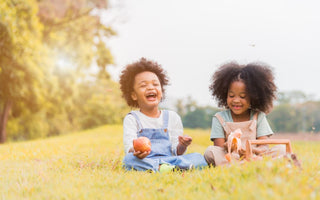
[150,86]
[237,99]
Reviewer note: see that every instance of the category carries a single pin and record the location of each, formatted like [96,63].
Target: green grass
[87,165]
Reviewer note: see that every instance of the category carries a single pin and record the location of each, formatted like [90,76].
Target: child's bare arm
[219,142]
[263,137]
[260,148]
[184,142]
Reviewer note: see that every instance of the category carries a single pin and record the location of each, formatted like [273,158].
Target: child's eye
[242,97]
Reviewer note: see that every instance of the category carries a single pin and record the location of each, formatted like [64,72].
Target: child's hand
[185,140]
[259,150]
[242,152]
[141,155]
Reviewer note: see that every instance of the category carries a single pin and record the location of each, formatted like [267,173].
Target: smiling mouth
[237,107]
[151,96]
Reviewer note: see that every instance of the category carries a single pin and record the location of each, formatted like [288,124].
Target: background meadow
[87,165]
[60,99]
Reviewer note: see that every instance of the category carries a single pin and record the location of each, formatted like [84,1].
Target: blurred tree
[295,112]
[21,55]
[284,118]
[46,50]
[5,59]
[75,29]
[190,104]
[196,119]
[310,116]
[194,116]
[293,97]
[200,117]
[300,116]
[99,104]
[180,107]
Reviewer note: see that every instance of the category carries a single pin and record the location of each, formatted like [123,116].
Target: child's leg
[196,159]
[215,156]
[277,151]
[132,162]
[188,161]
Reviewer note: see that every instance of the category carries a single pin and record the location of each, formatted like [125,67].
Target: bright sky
[191,39]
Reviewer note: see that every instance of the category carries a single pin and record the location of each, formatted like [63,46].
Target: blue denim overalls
[161,150]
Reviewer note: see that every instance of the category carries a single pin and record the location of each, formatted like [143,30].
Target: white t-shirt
[130,128]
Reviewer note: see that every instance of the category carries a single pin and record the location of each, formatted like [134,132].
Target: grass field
[87,165]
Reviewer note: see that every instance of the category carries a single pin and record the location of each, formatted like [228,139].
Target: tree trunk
[4,114]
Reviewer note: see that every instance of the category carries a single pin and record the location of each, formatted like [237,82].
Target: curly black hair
[258,78]
[128,75]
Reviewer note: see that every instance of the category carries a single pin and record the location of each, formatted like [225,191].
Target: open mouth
[151,96]
[237,107]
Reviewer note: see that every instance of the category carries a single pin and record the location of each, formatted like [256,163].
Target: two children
[246,91]
[142,85]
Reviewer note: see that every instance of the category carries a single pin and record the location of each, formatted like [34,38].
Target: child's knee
[215,155]
[281,150]
[128,159]
[209,155]
[278,151]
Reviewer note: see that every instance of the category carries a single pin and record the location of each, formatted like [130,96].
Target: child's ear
[134,96]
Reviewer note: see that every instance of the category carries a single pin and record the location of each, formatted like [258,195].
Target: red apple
[142,144]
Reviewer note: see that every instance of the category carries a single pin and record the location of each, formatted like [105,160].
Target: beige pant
[215,155]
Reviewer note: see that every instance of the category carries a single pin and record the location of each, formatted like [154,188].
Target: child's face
[147,90]
[238,100]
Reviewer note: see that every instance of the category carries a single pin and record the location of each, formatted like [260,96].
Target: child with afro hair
[142,85]
[247,93]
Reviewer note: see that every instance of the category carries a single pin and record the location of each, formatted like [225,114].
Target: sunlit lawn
[87,165]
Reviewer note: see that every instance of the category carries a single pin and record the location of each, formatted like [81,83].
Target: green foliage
[294,112]
[194,116]
[100,104]
[47,51]
[75,30]
[200,117]
[302,117]
[293,97]
[282,118]
[24,60]
[87,165]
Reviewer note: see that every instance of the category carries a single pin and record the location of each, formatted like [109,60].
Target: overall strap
[254,121]
[223,123]
[255,116]
[165,119]
[137,119]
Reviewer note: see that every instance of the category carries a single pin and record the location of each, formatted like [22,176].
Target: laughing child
[142,85]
